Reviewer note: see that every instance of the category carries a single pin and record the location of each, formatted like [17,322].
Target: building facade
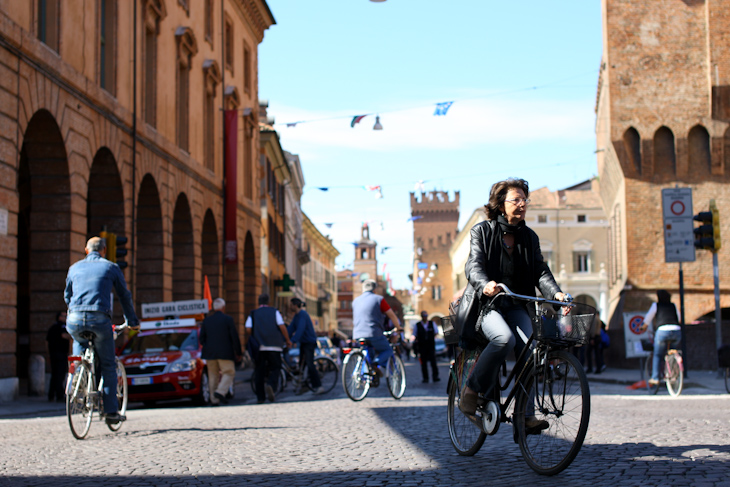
[663,120]
[319,279]
[111,116]
[435,226]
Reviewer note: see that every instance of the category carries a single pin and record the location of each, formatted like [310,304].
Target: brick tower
[435,224]
[366,261]
[663,119]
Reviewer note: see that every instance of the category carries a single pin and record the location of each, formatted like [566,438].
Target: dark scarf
[519,251]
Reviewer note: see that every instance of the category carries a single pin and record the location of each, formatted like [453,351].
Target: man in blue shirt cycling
[301,330]
[89,285]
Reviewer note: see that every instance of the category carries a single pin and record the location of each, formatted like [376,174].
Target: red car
[164,364]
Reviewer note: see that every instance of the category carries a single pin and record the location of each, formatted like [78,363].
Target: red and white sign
[678,227]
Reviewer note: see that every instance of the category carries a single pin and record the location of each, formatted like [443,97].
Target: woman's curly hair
[498,193]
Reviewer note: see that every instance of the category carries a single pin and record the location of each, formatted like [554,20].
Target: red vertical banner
[231,143]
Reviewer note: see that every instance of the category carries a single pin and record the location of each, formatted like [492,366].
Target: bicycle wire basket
[565,331]
[451,328]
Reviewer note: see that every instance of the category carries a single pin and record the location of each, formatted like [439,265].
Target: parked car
[165,364]
[327,349]
[441,349]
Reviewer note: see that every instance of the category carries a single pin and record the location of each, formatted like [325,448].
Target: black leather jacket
[482,267]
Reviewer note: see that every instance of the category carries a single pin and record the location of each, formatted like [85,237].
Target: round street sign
[635,324]
[677,207]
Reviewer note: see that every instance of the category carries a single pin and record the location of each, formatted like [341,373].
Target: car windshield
[171,341]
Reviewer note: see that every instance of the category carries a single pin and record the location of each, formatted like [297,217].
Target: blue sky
[522,76]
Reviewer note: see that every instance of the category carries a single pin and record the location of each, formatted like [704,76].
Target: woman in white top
[663,314]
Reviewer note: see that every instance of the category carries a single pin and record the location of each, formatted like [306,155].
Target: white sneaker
[319,390]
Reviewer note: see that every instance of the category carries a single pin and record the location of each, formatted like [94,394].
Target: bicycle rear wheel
[396,372]
[675,378]
[79,406]
[327,370]
[466,436]
[651,389]
[557,393]
[356,376]
[121,394]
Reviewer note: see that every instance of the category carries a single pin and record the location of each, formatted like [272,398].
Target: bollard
[36,375]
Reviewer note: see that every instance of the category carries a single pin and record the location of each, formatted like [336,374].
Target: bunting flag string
[357,119]
[442,108]
[414,218]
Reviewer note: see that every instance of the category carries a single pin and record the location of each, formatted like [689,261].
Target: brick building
[435,226]
[319,281]
[85,144]
[663,113]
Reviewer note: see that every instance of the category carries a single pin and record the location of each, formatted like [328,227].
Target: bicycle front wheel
[675,377]
[356,376]
[556,404]
[79,406]
[121,394]
[327,370]
[396,373]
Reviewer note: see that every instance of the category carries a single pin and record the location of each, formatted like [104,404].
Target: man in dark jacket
[302,332]
[58,340]
[267,327]
[221,347]
[425,335]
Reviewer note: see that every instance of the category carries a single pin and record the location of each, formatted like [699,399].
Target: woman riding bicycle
[503,249]
[664,315]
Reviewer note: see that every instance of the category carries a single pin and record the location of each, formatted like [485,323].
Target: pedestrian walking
[89,285]
[266,329]
[424,334]
[302,332]
[58,341]
[221,350]
[369,311]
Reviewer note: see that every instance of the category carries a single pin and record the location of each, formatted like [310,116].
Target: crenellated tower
[435,225]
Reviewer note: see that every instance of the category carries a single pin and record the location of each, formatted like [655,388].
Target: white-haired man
[369,311]
[221,347]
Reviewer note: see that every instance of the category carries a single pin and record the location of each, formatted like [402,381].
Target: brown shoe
[534,426]
[468,402]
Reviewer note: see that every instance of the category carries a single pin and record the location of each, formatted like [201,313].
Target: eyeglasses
[519,201]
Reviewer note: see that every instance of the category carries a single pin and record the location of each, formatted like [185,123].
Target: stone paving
[633,439]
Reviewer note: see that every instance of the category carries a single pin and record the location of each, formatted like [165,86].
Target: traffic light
[115,250]
[707,235]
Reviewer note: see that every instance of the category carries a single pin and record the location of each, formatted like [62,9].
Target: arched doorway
[105,204]
[211,256]
[44,235]
[150,244]
[250,300]
[183,252]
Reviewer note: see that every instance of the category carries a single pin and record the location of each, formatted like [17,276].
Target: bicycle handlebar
[534,299]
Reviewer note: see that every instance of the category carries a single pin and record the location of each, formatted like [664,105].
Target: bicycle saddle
[87,335]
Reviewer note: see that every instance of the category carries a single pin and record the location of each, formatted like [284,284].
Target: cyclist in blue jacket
[89,285]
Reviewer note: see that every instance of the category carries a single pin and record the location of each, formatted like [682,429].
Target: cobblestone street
[633,439]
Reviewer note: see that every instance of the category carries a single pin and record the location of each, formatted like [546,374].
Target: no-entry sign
[678,228]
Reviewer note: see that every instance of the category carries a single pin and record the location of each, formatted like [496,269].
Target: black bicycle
[551,386]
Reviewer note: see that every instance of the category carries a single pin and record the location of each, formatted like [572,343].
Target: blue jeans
[382,348]
[499,327]
[101,325]
[660,348]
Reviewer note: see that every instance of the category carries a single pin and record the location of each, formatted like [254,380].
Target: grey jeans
[499,327]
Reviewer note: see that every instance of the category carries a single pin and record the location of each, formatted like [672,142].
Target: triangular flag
[206,293]
[357,119]
[442,108]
